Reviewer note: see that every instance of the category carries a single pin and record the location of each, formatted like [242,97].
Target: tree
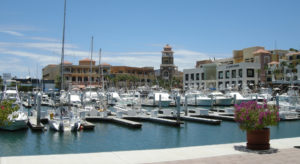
[57,82]
[293,49]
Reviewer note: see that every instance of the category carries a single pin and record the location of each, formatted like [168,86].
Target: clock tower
[167,67]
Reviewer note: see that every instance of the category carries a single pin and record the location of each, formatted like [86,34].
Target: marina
[140,82]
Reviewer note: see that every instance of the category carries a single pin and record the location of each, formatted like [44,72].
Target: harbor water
[113,137]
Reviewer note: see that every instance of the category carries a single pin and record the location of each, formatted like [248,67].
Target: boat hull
[15,125]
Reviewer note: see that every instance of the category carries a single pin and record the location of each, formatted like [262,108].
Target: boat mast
[63,50]
[91,63]
[100,72]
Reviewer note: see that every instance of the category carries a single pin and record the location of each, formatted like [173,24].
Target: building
[238,75]
[278,54]
[262,57]
[78,75]
[167,67]
[141,75]
[245,55]
[204,76]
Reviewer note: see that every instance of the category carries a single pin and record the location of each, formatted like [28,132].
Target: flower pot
[258,139]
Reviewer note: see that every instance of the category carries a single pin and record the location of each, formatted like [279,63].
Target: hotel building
[247,67]
[81,76]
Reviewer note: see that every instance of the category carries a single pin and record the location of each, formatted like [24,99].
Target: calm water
[112,137]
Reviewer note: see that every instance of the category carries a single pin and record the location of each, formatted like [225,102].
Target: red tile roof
[261,51]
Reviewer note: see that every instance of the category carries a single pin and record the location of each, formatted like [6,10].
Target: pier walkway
[282,151]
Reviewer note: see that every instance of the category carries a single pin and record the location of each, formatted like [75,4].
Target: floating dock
[155,120]
[218,116]
[201,120]
[32,123]
[120,121]
[195,118]
[87,125]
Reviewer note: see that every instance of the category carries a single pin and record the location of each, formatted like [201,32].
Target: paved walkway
[282,152]
[283,156]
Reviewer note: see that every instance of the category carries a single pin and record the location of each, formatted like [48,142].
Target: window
[269,79]
[233,83]
[220,74]
[197,76]
[250,72]
[240,73]
[227,84]
[202,76]
[290,57]
[192,76]
[233,74]
[79,79]
[227,74]
[73,78]
[186,77]
[298,56]
[220,83]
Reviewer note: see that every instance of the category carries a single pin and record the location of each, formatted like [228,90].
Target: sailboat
[64,120]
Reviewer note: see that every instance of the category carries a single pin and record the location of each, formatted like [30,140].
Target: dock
[120,121]
[195,118]
[165,121]
[87,125]
[127,122]
[218,116]
[201,120]
[32,123]
[159,120]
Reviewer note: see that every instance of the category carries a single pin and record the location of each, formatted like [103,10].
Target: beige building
[80,75]
[245,55]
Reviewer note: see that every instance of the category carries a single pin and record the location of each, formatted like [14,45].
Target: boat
[64,120]
[198,98]
[18,119]
[155,97]
[239,98]
[221,99]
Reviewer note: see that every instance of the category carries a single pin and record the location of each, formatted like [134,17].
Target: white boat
[155,97]
[198,98]
[221,99]
[64,122]
[113,97]
[18,119]
[238,97]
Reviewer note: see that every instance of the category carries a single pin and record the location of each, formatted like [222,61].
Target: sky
[134,32]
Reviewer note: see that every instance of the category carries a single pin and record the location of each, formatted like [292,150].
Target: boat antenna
[63,50]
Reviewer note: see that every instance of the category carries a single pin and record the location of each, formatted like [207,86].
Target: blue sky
[133,32]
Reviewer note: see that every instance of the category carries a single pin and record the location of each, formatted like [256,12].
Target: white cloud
[44,39]
[12,63]
[14,33]
[41,58]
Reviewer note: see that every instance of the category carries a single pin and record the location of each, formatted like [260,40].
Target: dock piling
[38,118]
[185,106]
[234,99]
[159,103]
[178,108]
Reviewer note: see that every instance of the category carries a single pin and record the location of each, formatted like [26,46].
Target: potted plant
[255,119]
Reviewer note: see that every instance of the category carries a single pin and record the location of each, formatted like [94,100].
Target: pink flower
[265,101]
[265,106]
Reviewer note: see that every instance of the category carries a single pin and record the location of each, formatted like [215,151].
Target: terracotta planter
[258,139]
